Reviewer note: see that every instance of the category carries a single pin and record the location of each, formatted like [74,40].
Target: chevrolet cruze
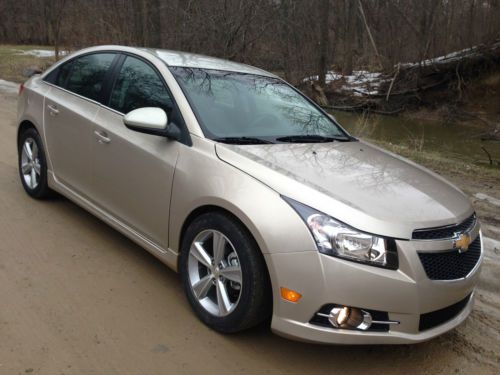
[265,205]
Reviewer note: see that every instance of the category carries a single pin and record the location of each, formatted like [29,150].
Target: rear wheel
[33,165]
[224,274]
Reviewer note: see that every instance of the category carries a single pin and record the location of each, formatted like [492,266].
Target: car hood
[355,182]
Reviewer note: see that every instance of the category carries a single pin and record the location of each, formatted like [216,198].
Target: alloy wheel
[30,163]
[214,272]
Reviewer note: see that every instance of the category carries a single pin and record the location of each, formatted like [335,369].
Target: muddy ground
[77,297]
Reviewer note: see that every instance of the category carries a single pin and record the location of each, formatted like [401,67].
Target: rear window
[88,74]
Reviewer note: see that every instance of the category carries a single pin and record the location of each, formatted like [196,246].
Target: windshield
[235,106]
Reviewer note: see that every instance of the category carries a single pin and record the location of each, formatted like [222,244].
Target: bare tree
[295,38]
[53,11]
[348,37]
[368,31]
[324,41]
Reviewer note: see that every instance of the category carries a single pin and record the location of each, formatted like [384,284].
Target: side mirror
[151,120]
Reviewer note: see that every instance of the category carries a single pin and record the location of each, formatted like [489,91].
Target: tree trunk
[324,41]
[348,38]
[285,36]
[471,22]
[138,19]
[155,37]
[374,45]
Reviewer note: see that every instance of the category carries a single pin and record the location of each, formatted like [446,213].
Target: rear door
[133,172]
[71,106]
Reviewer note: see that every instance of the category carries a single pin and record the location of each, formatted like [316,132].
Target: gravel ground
[79,298]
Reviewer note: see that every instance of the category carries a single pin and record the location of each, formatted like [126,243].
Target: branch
[392,82]
[362,12]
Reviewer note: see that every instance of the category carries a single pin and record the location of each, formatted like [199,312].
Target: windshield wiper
[243,140]
[305,138]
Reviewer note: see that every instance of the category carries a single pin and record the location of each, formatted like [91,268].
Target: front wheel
[224,274]
[33,165]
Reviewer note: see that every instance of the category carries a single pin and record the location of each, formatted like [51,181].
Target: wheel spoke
[219,245]
[232,273]
[37,167]
[26,168]
[33,179]
[202,286]
[222,298]
[200,254]
[27,150]
[34,150]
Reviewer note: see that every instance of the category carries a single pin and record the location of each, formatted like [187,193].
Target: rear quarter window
[59,75]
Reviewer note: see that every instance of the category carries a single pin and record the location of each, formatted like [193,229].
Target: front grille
[441,233]
[438,317]
[323,321]
[451,265]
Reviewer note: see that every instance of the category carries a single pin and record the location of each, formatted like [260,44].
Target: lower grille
[438,317]
[451,265]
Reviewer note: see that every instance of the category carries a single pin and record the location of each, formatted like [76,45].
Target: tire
[35,165]
[249,302]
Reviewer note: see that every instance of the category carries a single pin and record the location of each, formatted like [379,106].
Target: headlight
[337,239]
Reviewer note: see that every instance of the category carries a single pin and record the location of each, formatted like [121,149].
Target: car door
[70,108]
[132,171]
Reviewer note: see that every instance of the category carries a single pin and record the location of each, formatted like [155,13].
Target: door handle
[53,109]
[102,137]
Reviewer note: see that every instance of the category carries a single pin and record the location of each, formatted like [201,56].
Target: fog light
[290,295]
[350,318]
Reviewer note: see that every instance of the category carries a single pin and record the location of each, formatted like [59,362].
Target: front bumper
[404,294]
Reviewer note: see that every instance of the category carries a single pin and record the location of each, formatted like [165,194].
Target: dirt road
[76,297]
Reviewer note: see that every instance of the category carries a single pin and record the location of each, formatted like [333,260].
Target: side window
[87,74]
[58,76]
[138,85]
[63,74]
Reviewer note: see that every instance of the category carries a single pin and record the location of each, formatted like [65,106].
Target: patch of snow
[357,76]
[491,200]
[330,76]
[44,53]
[8,87]
[359,83]
[363,76]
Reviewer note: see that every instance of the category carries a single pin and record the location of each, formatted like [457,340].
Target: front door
[133,172]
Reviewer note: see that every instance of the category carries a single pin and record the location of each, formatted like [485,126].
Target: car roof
[173,58]
[193,60]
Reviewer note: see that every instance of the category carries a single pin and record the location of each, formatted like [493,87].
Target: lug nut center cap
[216,272]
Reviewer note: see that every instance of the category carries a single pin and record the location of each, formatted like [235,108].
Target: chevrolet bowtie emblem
[462,243]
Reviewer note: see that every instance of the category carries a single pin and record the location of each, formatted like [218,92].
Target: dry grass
[442,164]
[13,63]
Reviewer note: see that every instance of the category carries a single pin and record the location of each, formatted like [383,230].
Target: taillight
[21,88]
